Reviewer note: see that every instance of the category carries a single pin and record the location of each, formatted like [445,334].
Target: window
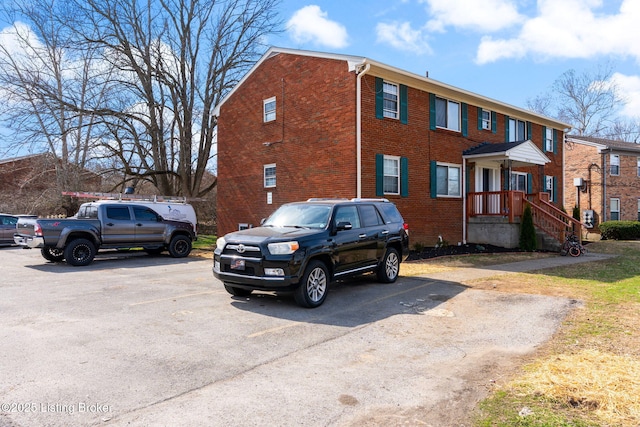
[390,96]
[518,181]
[517,130]
[269,107]
[638,209]
[638,166]
[614,206]
[348,214]
[120,213]
[548,140]
[448,180]
[447,114]
[391,183]
[370,216]
[614,159]
[486,119]
[144,214]
[270,176]
[548,187]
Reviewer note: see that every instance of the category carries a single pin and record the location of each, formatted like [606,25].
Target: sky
[509,50]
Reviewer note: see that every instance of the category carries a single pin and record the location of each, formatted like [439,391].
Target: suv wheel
[390,267]
[314,285]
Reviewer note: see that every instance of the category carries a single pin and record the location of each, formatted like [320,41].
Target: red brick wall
[625,186]
[316,155]
[429,217]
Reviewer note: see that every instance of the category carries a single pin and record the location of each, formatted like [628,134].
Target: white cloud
[401,36]
[629,87]
[570,29]
[310,25]
[486,15]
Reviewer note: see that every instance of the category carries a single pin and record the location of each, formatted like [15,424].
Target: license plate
[237,264]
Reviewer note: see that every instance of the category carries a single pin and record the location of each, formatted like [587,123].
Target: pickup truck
[105,225]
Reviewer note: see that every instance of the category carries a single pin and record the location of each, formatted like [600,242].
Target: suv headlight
[220,243]
[283,248]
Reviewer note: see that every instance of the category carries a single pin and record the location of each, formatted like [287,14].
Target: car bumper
[253,274]
[29,241]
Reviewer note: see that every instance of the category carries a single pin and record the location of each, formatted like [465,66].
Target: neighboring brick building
[306,124]
[603,177]
[32,184]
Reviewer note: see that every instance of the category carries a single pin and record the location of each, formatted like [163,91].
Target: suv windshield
[300,215]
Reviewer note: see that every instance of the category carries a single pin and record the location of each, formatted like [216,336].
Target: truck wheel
[52,254]
[238,292]
[180,246]
[390,267]
[79,252]
[314,285]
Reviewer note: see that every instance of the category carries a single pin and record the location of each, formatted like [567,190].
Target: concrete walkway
[465,274]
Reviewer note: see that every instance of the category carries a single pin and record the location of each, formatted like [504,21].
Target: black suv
[304,246]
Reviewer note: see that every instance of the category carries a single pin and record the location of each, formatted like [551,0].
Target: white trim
[264,175]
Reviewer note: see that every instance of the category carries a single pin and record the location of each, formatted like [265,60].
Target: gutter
[360,73]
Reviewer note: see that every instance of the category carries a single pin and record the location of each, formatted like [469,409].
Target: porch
[493,217]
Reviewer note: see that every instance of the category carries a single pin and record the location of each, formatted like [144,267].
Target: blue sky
[510,50]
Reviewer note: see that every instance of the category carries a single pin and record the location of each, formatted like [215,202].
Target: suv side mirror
[344,225]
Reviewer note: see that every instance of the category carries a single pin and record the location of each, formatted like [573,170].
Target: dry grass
[604,384]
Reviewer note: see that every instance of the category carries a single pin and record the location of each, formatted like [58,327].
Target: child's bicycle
[572,246]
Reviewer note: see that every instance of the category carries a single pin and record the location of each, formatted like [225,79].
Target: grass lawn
[589,373]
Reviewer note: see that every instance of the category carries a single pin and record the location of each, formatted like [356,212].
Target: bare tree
[588,101]
[36,60]
[164,65]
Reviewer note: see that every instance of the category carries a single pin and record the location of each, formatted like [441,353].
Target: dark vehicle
[105,225]
[302,247]
[7,228]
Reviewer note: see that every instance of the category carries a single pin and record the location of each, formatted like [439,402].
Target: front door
[488,181]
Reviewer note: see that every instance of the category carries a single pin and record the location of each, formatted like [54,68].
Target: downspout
[360,74]
[465,194]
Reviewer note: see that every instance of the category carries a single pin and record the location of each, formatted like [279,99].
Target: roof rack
[122,196]
[360,199]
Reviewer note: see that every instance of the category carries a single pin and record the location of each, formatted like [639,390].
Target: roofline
[603,146]
[356,63]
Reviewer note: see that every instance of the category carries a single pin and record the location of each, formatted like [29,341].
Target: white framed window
[447,114]
[638,166]
[270,175]
[614,208]
[391,170]
[390,100]
[486,120]
[548,140]
[614,160]
[448,179]
[269,109]
[548,186]
[517,130]
[518,181]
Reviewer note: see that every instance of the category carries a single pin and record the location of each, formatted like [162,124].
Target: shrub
[576,213]
[528,241]
[620,230]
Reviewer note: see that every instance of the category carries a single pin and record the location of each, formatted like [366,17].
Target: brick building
[305,124]
[32,184]
[603,178]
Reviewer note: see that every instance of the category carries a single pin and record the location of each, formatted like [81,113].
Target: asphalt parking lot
[139,340]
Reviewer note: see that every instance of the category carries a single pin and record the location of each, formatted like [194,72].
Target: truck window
[90,212]
[144,214]
[119,213]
